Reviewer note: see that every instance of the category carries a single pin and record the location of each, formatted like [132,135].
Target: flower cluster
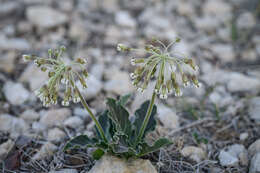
[170,71]
[59,73]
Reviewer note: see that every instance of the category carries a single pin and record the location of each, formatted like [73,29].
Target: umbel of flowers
[115,133]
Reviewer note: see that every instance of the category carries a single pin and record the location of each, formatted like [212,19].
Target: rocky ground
[215,128]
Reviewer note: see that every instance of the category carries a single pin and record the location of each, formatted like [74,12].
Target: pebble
[15,126]
[30,115]
[55,135]
[15,93]
[8,62]
[168,117]
[5,148]
[255,164]
[9,7]
[19,44]
[46,150]
[73,122]
[254,148]
[119,165]
[45,17]
[220,9]
[254,109]
[55,117]
[194,153]
[243,136]
[224,52]
[246,20]
[123,18]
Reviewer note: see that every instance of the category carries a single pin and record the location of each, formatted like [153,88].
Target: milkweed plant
[115,133]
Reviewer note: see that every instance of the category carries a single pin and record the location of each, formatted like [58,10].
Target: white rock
[254,109]
[65,171]
[39,127]
[5,148]
[168,117]
[217,8]
[73,122]
[226,159]
[255,164]
[195,153]
[45,17]
[82,113]
[254,148]
[123,18]
[30,115]
[243,136]
[9,8]
[55,117]
[246,20]
[119,83]
[118,165]
[15,126]
[224,52]
[8,62]
[19,44]
[55,135]
[97,70]
[34,77]
[78,31]
[15,93]
[94,87]
[185,8]
[207,23]
[240,82]
[234,154]
[46,150]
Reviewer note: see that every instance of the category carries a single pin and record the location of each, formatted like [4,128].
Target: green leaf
[98,153]
[139,118]
[119,116]
[80,141]
[146,149]
[124,99]
[106,124]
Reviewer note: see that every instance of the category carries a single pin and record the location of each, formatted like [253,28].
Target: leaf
[98,153]
[119,116]
[146,149]
[124,99]
[139,118]
[106,124]
[80,141]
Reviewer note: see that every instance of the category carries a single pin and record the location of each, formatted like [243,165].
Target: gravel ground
[215,128]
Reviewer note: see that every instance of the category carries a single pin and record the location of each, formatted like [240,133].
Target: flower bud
[27,58]
[81,61]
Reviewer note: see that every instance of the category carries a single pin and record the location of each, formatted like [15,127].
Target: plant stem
[146,119]
[84,103]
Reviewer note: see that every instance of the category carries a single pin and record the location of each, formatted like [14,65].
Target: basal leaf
[124,99]
[146,149]
[106,125]
[98,153]
[119,116]
[80,141]
[139,118]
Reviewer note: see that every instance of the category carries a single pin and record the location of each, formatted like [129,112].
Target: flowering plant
[116,134]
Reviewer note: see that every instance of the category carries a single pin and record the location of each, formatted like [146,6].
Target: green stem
[84,103]
[146,119]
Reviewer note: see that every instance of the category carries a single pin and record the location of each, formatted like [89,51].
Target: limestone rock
[111,164]
[194,153]
[168,117]
[255,164]
[55,135]
[254,109]
[254,148]
[55,117]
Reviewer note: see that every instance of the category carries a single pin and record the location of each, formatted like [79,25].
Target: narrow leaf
[80,141]
[146,149]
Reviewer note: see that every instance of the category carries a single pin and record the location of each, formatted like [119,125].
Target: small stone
[65,171]
[119,83]
[19,44]
[255,164]
[5,148]
[9,8]
[184,8]
[78,31]
[8,62]
[95,86]
[45,17]
[38,127]
[56,135]
[15,93]
[30,115]
[240,82]
[119,165]
[254,109]
[123,18]
[97,70]
[254,148]
[168,117]
[246,20]
[55,117]
[206,23]
[34,77]
[226,159]
[224,52]
[218,8]
[46,150]
[73,122]
[15,126]
[243,136]
[194,153]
